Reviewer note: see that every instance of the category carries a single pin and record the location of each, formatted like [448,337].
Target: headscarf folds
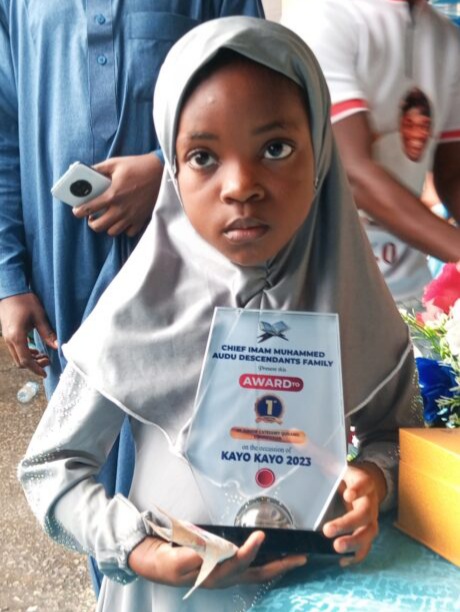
[142,347]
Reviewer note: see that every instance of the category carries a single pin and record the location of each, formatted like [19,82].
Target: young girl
[254,212]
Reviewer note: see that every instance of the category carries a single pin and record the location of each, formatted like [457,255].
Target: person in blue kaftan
[76,83]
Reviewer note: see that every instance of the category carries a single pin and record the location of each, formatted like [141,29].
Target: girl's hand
[363,488]
[158,561]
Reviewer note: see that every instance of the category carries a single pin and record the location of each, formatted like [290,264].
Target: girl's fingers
[229,571]
[364,512]
[274,569]
[238,569]
[248,551]
[181,565]
[161,562]
[357,484]
[345,524]
[359,540]
[186,560]
[361,548]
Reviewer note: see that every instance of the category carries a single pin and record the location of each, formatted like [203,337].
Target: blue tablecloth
[398,574]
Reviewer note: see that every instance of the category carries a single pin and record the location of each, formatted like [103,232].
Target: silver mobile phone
[80,184]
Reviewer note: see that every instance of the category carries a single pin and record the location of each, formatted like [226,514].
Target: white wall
[272,9]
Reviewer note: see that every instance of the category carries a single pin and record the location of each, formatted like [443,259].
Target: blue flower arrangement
[440,392]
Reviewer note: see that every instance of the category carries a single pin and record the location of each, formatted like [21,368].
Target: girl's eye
[278,150]
[200,159]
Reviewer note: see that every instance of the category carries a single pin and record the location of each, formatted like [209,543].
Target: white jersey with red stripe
[373,54]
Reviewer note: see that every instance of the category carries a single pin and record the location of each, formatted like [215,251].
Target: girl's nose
[241,183]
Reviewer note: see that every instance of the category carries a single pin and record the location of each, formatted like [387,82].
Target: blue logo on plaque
[272,331]
[269,409]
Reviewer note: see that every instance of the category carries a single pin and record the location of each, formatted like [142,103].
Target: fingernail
[342,548]
[346,562]
[330,531]
[301,562]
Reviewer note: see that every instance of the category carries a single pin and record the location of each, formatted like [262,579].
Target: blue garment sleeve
[250,8]
[13,277]
[159,153]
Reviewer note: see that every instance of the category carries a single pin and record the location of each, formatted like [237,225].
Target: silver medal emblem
[264,512]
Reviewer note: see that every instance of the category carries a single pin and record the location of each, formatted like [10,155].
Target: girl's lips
[245,230]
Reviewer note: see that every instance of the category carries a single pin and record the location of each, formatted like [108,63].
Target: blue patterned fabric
[76,83]
[398,575]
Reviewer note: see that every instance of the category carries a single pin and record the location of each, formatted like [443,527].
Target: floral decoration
[436,336]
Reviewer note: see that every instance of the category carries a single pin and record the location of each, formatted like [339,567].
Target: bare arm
[381,196]
[446,174]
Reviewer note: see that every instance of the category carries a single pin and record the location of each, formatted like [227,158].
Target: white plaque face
[268,435]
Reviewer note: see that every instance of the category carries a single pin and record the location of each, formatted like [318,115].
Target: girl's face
[245,161]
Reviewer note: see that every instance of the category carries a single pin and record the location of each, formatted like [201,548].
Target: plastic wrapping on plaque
[267,442]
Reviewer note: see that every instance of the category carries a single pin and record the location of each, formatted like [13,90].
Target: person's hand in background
[127,205]
[19,315]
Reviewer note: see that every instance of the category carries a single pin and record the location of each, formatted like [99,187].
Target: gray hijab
[143,345]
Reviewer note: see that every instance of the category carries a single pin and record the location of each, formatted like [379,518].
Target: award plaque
[267,441]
